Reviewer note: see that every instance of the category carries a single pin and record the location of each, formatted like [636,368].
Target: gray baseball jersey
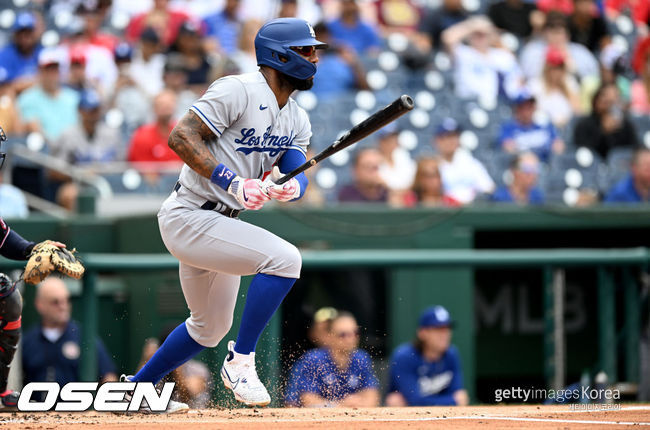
[252,131]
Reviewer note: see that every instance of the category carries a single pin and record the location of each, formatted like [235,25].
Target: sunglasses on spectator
[305,51]
[344,334]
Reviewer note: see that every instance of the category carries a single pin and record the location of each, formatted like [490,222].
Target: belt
[210,206]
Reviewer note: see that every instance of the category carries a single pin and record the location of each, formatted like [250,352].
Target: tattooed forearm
[188,140]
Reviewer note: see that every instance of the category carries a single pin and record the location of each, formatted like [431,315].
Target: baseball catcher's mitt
[46,258]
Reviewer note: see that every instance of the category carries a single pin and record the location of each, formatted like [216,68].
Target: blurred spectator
[93,16]
[435,21]
[12,201]
[149,142]
[91,140]
[463,176]
[244,57]
[586,26]
[101,7]
[523,189]
[635,188]
[54,345]
[100,70]
[580,61]
[614,68]
[76,78]
[48,107]
[288,9]
[224,27]
[427,188]
[640,90]
[309,10]
[640,54]
[367,184]
[481,70]
[608,125]
[562,6]
[397,16]
[175,79]
[524,133]
[428,371]
[397,169]
[319,331]
[198,8]
[9,116]
[513,16]
[20,56]
[164,21]
[640,10]
[127,96]
[557,92]
[147,64]
[339,70]
[189,49]
[339,374]
[351,31]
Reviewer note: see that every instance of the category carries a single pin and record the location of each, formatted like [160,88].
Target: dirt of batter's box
[482,417]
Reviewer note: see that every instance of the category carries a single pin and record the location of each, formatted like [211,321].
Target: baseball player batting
[243,129]
[14,247]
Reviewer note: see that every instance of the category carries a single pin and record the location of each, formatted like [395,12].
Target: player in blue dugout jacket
[339,374]
[427,372]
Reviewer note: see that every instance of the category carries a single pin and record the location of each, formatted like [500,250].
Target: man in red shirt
[165,21]
[149,142]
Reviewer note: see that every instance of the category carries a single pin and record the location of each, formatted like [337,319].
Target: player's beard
[298,84]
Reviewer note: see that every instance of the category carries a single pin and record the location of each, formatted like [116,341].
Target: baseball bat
[390,113]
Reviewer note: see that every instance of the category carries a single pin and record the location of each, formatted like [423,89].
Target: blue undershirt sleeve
[290,160]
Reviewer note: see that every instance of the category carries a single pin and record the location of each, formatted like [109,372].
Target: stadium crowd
[527,102]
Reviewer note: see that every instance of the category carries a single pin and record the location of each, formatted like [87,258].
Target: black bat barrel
[379,119]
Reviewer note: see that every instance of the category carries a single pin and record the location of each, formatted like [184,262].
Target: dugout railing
[552,263]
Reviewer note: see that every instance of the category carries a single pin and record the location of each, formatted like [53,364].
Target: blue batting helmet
[273,45]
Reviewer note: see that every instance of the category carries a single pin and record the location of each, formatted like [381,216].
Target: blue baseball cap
[435,316]
[24,21]
[123,52]
[89,100]
[448,126]
[523,96]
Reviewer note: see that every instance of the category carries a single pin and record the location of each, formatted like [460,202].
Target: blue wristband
[222,176]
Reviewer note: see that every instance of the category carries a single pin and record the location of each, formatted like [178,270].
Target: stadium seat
[560,164]
[497,165]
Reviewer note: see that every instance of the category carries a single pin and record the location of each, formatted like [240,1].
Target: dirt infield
[472,417]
